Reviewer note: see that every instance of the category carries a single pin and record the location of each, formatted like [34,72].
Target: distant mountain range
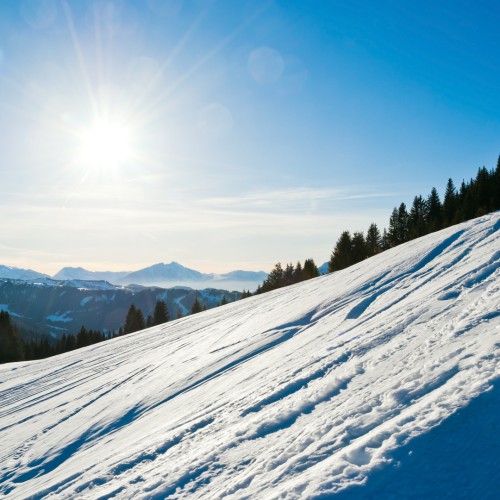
[156,275]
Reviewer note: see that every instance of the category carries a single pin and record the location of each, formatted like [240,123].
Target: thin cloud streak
[285,200]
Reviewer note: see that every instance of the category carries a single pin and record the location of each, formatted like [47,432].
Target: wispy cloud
[299,200]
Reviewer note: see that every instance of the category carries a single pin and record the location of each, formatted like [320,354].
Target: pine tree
[404,232]
[341,256]
[160,314]
[288,278]
[398,226]
[434,211]
[373,240]
[82,338]
[310,270]
[358,247]
[196,308]
[450,203]
[298,274]
[274,279]
[11,347]
[223,302]
[134,320]
[417,223]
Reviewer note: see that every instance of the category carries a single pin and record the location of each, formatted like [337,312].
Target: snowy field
[315,389]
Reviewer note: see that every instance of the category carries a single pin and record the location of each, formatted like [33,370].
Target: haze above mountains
[160,274]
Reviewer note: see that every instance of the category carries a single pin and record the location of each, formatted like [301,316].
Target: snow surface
[304,392]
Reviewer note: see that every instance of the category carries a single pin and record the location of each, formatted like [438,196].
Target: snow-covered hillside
[298,393]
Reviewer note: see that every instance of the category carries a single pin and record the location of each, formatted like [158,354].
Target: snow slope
[303,392]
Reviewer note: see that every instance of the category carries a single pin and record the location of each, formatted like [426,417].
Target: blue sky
[242,132]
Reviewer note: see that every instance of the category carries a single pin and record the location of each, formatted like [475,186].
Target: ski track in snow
[299,393]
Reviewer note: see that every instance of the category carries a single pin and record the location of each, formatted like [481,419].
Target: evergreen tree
[403,223]
[82,338]
[134,320]
[483,192]
[288,275]
[341,256]
[434,212]
[160,314]
[11,347]
[398,226]
[310,270]
[223,302]
[417,219]
[373,240]
[450,203]
[274,279]
[298,274]
[196,308]
[358,247]
[393,231]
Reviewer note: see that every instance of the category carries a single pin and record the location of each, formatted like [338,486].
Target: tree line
[477,197]
[474,198]
[290,275]
[14,348]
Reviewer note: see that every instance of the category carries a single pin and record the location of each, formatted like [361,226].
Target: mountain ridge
[156,274]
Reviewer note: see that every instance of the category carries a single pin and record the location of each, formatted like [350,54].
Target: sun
[105,145]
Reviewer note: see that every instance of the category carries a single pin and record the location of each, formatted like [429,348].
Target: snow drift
[303,392]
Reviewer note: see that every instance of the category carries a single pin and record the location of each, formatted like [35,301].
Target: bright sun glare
[105,145]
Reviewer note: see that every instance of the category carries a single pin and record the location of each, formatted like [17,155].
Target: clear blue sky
[232,134]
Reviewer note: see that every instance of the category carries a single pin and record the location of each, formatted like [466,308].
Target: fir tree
[373,240]
[274,279]
[298,274]
[196,308]
[434,211]
[134,320]
[288,278]
[160,314]
[310,270]
[358,247]
[417,223]
[11,347]
[341,256]
[450,203]
[398,226]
